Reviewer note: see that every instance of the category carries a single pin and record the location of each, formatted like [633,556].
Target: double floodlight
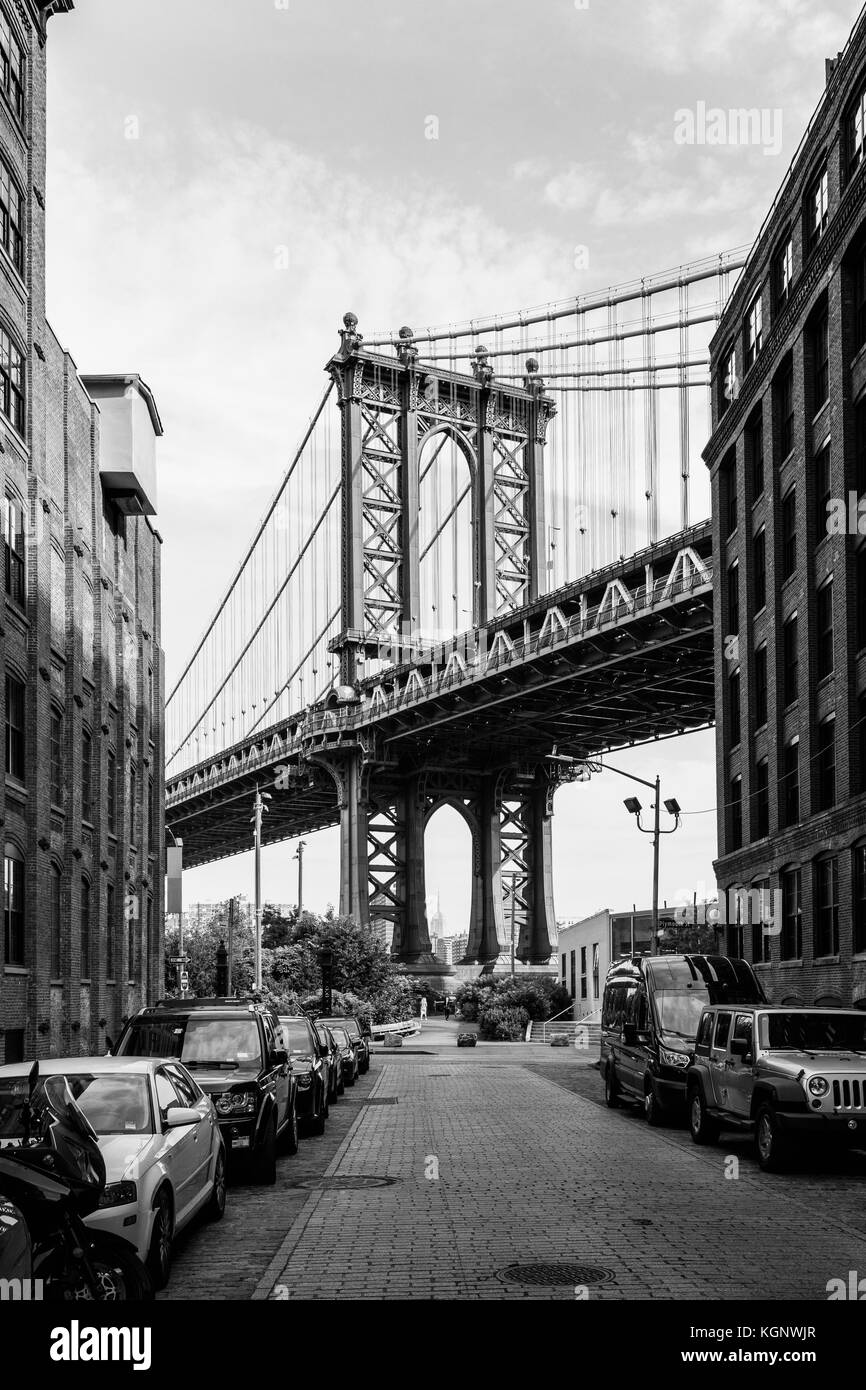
[632,805]
[672,806]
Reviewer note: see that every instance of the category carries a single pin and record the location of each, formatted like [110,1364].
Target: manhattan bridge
[479,573]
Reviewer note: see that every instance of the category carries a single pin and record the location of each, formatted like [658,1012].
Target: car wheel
[703,1128]
[159,1252]
[326,1104]
[317,1121]
[341,1086]
[217,1200]
[350,1080]
[654,1111]
[770,1146]
[291,1132]
[264,1164]
[611,1090]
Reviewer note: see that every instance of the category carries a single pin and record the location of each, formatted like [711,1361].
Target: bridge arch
[460,858]
[447,547]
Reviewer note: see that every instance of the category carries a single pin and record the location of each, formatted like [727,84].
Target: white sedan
[164,1155]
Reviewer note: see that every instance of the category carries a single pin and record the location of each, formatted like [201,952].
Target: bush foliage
[503,1006]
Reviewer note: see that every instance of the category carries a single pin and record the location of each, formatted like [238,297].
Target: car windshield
[818,1032]
[341,1036]
[322,1035]
[198,1042]
[680,1010]
[296,1035]
[113,1104]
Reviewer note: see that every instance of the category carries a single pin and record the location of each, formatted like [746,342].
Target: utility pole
[231,948]
[259,809]
[513,896]
[656,833]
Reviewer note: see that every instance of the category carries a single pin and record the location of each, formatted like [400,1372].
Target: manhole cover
[348,1183]
[554,1275]
[642,1221]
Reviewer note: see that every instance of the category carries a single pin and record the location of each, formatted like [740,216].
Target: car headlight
[304,1079]
[118,1194]
[673,1059]
[818,1085]
[236,1103]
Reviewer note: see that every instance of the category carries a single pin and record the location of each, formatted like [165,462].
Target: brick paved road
[503,1155]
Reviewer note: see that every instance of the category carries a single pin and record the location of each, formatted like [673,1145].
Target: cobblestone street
[443,1168]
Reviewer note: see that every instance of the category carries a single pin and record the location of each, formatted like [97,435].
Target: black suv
[309,1063]
[234,1049]
[359,1034]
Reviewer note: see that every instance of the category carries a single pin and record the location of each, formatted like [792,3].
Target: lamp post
[634,808]
[299,855]
[326,961]
[259,809]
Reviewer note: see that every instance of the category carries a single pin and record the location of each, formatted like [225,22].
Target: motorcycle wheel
[120,1276]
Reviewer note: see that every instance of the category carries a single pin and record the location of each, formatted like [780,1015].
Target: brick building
[787,455]
[79,635]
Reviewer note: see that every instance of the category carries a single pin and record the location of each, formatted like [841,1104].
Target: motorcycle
[56,1176]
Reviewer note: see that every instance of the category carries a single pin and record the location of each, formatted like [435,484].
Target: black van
[649,1020]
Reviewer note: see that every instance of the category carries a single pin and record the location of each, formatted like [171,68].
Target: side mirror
[279,1057]
[178,1115]
[629,1034]
[741,1047]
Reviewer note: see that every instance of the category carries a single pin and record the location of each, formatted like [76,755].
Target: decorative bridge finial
[481,368]
[532,382]
[350,339]
[406,349]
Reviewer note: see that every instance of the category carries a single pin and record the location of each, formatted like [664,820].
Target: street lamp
[299,855]
[634,808]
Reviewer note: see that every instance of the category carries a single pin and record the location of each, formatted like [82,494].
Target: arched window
[14,727]
[109,931]
[13,904]
[56,965]
[86,775]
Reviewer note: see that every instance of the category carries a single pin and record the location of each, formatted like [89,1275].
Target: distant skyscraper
[437,922]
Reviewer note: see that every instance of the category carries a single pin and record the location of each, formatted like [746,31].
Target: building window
[11,382]
[762,799]
[736,813]
[731,497]
[111,793]
[729,387]
[825,764]
[563,968]
[790,660]
[55,757]
[760,685]
[734,708]
[755,455]
[759,569]
[85,929]
[759,913]
[816,211]
[823,492]
[753,332]
[820,360]
[792,924]
[826,940]
[151,817]
[13,905]
[861,741]
[13,545]
[859,899]
[56,964]
[861,597]
[860,299]
[734,933]
[132,793]
[789,533]
[583,975]
[734,597]
[595,969]
[11,218]
[573,990]
[785,410]
[109,931]
[131,939]
[783,272]
[824,624]
[12,67]
[14,728]
[86,776]
[789,783]
[856,133]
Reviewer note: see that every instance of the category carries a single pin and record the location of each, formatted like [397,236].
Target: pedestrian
[424,1007]
[447,1009]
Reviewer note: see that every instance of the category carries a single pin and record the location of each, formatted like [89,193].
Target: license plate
[242,1143]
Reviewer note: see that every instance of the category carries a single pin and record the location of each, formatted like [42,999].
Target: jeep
[782,1074]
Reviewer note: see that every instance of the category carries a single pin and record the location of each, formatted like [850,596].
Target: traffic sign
[178,960]
[184,980]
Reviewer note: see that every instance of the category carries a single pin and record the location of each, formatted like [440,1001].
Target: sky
[227,177]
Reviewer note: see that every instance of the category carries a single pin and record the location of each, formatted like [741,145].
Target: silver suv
[786,1075]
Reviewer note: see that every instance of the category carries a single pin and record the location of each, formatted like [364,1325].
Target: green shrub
[503,1023]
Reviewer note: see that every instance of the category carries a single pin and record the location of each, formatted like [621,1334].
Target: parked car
[165,1158]
[331,1058]
[650,1012]
[348,1056]
[359,1032]
[789,1076]
[308,1064]
[235,1050]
